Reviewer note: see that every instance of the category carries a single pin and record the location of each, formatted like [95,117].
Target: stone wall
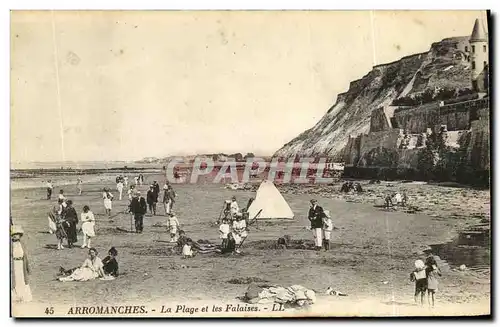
[380,120]
[456,116]
[417,120]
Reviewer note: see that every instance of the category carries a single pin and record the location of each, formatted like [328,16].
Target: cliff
[443,66]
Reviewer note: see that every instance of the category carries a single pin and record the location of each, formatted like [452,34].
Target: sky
[115,85]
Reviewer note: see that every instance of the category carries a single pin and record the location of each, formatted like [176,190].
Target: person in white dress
[327,229]
[172,226]
[91,268]
[240,231]
[108,198]
[119,187]
[88,223]
[20,269]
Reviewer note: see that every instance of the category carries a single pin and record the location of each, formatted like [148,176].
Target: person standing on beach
[88,223]
[315,216]
[119,187]
[168,197]
[138,209]
[50,187]
[125,181]
[58,223]
[108,198]
[71,218]
[20,268]
[151,200]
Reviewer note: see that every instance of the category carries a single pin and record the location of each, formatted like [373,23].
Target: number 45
[49,311]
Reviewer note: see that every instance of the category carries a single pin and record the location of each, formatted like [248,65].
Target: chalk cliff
[445,65]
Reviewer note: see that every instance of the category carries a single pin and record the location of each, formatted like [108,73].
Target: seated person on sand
[283,242]
[230,245]
[398,199]
[200,248]
[358,188]
[187,251]
[344,188]
[91,268]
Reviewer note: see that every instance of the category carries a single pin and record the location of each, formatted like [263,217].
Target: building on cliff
[398,135]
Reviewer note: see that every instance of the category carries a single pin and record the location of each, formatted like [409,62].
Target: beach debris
[295,295]
[246,280]
[331,291]
[462,267]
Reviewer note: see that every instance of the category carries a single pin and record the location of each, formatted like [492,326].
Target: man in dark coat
[315,216]
[156,188]
[138,208]
[71,218]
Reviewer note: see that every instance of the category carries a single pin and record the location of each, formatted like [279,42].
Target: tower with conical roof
[479,57]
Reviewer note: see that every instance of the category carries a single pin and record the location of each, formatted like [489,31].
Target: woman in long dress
[71,218]
[21,291]
[57,223]
[91,268]
[108,198]
[88,223]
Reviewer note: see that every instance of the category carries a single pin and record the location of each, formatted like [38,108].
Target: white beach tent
[271,202]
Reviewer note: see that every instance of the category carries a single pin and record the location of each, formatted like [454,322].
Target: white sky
[137,84]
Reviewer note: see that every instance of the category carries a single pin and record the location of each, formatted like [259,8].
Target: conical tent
[271,202]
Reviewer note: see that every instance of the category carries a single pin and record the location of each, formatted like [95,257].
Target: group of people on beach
[63,222]
[350,187]
[321,225]
[425,277]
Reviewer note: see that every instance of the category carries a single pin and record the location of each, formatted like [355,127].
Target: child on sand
[327,229]
[432,272]
[187,251]
[110,265]
[172,225]
[224,232]
[419,276]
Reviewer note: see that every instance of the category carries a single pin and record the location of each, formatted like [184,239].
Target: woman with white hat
[21,291]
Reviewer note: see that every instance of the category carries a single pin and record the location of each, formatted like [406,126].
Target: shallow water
[471,248]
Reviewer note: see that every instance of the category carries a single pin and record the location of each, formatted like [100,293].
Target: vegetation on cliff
[443,67]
